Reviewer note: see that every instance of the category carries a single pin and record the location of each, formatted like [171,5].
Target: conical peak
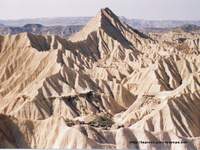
[107,12]
[105,17]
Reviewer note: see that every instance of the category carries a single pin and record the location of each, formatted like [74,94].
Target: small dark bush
[102,121]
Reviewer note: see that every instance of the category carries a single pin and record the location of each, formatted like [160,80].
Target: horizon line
[54,17]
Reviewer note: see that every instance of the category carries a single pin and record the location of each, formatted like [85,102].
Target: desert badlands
[108,86]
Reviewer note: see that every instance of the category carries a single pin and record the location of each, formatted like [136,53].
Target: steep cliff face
[105,87]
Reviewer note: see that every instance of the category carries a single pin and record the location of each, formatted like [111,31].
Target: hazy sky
[142,9]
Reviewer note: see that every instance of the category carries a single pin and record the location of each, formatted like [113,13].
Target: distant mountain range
[62,31]
[66,26]
[66,21]
[182,28]
[63,21]
[66,31]
[137,23]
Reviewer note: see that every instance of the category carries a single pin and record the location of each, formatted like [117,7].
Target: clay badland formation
[107,86]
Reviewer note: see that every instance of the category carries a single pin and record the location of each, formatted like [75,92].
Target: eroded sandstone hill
[105,87]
